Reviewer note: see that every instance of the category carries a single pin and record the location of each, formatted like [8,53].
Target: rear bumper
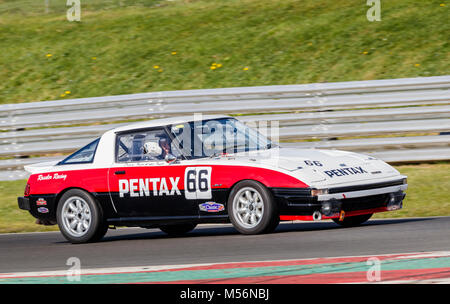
[24,203]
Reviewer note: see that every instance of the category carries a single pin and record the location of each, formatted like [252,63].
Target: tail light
[27,190]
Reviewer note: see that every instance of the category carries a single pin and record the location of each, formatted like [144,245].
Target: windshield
[207,138]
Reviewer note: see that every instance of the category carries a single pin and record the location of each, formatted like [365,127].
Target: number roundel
[197,183]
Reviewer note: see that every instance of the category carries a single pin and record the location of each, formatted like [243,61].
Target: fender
[228,176]
[47,188]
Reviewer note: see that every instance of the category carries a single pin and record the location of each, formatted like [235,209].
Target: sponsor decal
[157,186]
[313,163]
[211,207]
[42,210]
[51,177]
[197,183]
[41,202]
[42,177]
[345,171]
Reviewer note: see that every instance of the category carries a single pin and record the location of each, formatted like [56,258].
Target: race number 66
[197,183]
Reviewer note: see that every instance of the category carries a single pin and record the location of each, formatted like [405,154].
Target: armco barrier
[411,115]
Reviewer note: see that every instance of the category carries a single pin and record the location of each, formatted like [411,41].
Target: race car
[175,173]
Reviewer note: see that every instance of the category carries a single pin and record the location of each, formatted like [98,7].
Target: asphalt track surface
[222,243]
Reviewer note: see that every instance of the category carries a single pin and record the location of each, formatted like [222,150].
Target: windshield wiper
[235,147]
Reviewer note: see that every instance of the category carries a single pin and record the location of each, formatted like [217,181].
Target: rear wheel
[252,209]
[178,229]
[353,221]
[80,218]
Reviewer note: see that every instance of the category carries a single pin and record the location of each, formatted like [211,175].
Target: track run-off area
[429,267]
[412,250]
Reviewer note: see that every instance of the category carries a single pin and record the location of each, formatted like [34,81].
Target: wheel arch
[104,209]
[243,180]
[62,192]
[249,179]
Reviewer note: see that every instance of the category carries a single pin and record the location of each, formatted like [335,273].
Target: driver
[158,149]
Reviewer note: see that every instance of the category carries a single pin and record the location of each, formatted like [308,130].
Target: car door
[142,183]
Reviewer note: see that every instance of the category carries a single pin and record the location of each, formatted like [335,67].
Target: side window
[84,155]
[151,145]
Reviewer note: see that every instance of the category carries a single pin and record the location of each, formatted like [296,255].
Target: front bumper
[361,199]
[361,193]
[24,203]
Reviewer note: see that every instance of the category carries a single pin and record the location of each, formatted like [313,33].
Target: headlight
[316,192]
[405,181]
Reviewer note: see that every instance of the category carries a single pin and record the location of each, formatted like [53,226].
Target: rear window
[82,156]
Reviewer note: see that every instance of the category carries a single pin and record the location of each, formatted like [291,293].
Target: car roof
[165,122]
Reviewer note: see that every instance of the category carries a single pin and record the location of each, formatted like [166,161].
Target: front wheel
[80,218]
[353,221]
[252,209]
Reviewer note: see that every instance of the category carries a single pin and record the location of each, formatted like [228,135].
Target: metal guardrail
[398,109]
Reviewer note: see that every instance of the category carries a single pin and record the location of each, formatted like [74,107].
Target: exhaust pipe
[317,216]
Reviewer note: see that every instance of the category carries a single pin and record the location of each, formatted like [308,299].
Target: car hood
[323,168]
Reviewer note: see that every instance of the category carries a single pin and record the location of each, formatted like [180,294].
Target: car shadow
[315,226]
[285,227]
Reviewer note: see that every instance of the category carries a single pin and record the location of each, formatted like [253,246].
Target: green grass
[114,49]
[428,191]
[13,219]
[427,196]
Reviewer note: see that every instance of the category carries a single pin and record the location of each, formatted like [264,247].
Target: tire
[76,210]
[252,209]
[178,229]
[353,221]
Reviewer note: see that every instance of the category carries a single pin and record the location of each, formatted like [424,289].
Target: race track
[49,251]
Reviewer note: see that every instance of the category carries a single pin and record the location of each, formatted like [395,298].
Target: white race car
[178,172]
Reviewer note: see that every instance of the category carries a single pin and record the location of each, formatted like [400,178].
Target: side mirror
[170,158]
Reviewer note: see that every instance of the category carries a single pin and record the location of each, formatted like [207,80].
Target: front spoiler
[362,193]
[300,204]
[335,216]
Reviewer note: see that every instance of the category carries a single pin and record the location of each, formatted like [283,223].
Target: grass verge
[134,46]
